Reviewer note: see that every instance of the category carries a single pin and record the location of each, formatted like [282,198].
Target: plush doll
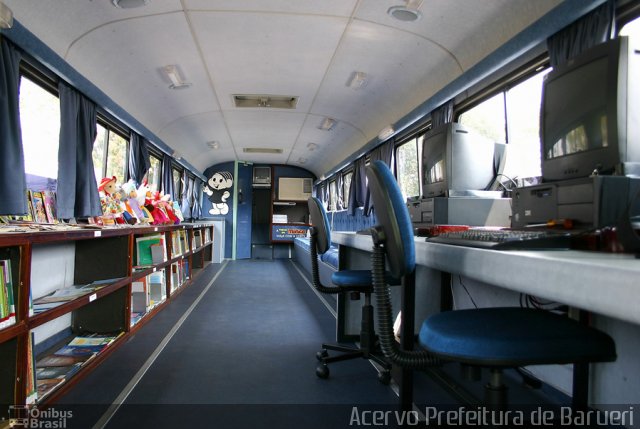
[141,198]
[129,198]
[111,211]
[164,203]
[153,204]
[121,199]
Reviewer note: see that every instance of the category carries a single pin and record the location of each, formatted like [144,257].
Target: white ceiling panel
[61,22]
[306,7]
[120,58]
[402,69]
[275,54]
[196,131]
[264,129]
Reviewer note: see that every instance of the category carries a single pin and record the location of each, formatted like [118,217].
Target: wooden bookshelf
[79,283]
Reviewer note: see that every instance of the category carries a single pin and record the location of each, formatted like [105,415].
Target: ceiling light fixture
[172,73]
[129,4]
[358,80]
[6,16]
[302,160]
[386,132]
[407,13]
[213,144]
[327,124]
[312,146]
[261,150]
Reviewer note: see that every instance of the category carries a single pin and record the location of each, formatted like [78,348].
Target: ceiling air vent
[265,101]
[261,150]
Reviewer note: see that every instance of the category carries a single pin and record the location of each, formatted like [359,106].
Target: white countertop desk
[603,283]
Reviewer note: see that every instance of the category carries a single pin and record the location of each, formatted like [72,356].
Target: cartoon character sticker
[218,189]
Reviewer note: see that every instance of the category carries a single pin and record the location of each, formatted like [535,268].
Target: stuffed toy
[141,198]
[162,202]
[129,197]
[121,199]
[158,216]
[111,211]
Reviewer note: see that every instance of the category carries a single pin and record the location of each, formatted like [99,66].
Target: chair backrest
[393,218]
[320,223]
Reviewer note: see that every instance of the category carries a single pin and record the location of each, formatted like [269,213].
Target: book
[5,264]
[65,294]
[55,360]
[37,202]
[139,296]
[144,252]
[58,372]
[50,206]
[7,305]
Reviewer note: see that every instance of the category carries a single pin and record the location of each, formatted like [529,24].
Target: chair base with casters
[367,349]
[496,338]
[353,282]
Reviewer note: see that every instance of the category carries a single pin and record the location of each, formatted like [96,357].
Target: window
[155,173]
[40,123]
[346,183]
[631,29]
[512,116]
[333,196]
[177,180]
[408,174]
[109,153]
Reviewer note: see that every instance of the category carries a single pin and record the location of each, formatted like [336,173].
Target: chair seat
[358,280]
[353,280]
[510,337]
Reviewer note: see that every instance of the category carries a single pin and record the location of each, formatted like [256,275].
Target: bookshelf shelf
[88,278]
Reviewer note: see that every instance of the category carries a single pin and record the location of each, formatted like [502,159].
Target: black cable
[467,290]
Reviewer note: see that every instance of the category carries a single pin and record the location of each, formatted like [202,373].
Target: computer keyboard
[505,239]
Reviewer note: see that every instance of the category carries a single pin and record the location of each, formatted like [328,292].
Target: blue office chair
[353,281]
[489,337]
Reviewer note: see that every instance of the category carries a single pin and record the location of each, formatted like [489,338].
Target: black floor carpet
[245,357]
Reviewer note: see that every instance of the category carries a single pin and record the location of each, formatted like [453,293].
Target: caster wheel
[322,370]
[384,377]
[322,354]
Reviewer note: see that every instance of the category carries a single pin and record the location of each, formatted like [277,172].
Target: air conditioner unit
[294,188]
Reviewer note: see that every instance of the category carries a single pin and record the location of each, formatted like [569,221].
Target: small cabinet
[289,210]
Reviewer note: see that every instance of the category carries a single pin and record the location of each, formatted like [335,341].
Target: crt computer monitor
[456,161]
[589,117]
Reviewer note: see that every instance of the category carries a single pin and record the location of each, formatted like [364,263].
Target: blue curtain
[592,29]
[77,186]
[13,184]
[196,210]
[139,162]
[187,191]
[167,177]
[442,115]
[358,188]
[384,153]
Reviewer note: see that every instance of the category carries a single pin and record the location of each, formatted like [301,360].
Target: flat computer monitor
[457,161]
[589,117]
